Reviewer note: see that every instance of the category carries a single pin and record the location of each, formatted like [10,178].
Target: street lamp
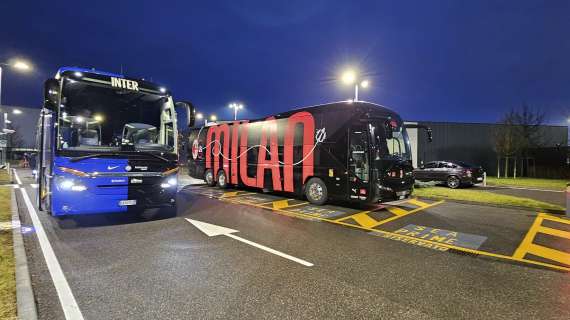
[18,65]
[349,77]
[236,107]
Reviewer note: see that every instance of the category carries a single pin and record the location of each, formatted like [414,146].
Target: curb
[26,304]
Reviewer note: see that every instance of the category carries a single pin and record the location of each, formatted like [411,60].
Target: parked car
[453,173]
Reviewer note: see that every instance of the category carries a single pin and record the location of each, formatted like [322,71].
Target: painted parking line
[68,303]
[422,242]
[364,220]
[529,245]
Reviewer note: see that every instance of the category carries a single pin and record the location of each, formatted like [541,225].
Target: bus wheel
[209,178]
[316,191]
[222,179]
[453,182]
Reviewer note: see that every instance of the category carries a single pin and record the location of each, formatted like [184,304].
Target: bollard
[568,200]
[484,179]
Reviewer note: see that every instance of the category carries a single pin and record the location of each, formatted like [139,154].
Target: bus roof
[70,71]
[78,69]
[350,105]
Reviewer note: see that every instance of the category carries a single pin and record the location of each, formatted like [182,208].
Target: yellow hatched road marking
[553,218]
[397,211]
[548,253]
[554,232]
[527,240]
[527,246]
[229,194]
[473,251]
[280,204]
[364,219]
[418,203]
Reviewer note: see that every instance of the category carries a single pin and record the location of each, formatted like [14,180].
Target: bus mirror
[51,94]
[186,112]
[429,135]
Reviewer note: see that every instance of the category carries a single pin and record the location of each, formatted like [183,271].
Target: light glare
[21,65]
[349,76]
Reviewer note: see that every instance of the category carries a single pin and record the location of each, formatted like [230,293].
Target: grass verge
[7,273]
[484,197]
[548,184]
[4,177]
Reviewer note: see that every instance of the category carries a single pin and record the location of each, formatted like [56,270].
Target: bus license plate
[127,202]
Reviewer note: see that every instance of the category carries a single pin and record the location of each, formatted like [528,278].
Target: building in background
[23,120]
[474,143]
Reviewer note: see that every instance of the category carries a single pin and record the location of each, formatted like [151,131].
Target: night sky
[429,60]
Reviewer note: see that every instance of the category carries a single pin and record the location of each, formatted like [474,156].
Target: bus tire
[209,178]
[316,191]
[222,179]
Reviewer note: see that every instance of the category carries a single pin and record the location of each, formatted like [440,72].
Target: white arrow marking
[212,230]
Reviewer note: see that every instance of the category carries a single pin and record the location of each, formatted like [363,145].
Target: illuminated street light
[98,118]
[213,117]
[21,65]
[236,107]
[18,65]
[349,77]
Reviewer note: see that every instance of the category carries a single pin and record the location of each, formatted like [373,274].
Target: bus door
[358,163]
[44,159]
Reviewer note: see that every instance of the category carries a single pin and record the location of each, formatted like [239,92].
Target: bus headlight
[69,184]
[171,182]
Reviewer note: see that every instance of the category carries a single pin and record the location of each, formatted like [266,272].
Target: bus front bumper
[124,200]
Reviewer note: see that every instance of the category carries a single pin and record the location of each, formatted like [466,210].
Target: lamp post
[200,116]
[236,107]
[349,77]
[17,65]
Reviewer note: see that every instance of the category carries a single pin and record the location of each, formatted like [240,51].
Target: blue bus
[107,143]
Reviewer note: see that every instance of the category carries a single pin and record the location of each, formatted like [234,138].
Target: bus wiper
[116,154]
[94,155]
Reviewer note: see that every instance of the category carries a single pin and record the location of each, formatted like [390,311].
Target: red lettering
[214,138]
[234,162]
[306,119]
[248,181]
[273,163]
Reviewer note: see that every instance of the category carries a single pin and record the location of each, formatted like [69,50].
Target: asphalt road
[130,267]
[549,196]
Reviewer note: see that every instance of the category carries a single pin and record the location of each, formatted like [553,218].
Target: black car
[453,173]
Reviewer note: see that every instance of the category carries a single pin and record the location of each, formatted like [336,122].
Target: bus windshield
[99,118]
[385,147]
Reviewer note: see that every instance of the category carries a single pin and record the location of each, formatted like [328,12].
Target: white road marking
[17,177]
[68,304]
[212,230]
[34,185]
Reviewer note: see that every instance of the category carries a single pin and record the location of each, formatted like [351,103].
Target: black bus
[348,151]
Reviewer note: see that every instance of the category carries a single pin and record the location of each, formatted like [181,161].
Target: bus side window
[358,153]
